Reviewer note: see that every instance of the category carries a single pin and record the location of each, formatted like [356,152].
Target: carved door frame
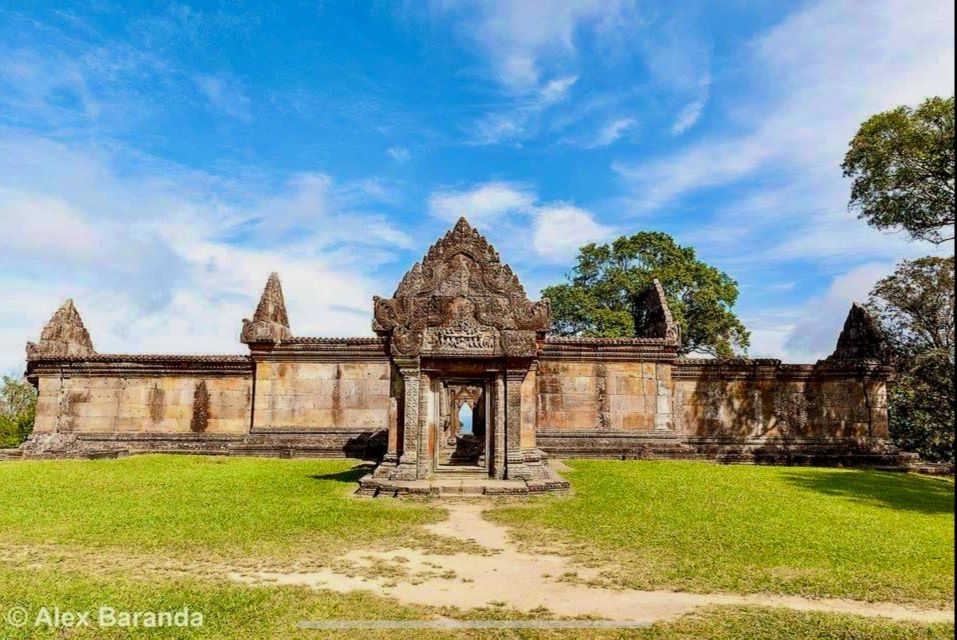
[434,425]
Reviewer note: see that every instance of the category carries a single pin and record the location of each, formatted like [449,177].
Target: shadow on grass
[349,475]
[891,490]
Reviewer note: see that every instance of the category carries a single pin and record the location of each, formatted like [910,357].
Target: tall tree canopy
[602,295]
[902,164]
[915,306]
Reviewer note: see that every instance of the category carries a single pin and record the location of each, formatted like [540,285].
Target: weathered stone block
[638,421]
[631,386]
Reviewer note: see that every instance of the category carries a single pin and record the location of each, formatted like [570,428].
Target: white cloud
[611,132]
[531,51]
[689,115]
[560,229]
[169,260]
[520,121]
[815,331]
[808,332]
[481,203]
[399,154]
[520,38]
[225,94]
[556,90]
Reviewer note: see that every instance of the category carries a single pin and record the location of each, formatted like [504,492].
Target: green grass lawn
[81,534]
[699,526]
[196,506]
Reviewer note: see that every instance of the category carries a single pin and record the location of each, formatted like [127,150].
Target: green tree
[18,408]
[915,306]
[602,294]
[902,165]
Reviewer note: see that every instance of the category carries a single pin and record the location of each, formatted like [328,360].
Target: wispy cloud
[528,41]
[226,94]
[777,185]
[399,154]
[531,50]
[611,132]
[830,65]
[521,120]
[690,115]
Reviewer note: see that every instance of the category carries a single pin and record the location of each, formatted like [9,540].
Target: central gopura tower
[461,317]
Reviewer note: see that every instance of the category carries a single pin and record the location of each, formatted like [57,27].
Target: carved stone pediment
[461,300]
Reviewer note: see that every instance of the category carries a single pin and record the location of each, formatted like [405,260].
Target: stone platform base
[349,443]
[370,445]
[780,450]
[449,487]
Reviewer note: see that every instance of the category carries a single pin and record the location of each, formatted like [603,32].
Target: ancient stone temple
[461,378]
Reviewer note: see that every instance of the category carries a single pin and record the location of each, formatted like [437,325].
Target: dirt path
[505,576]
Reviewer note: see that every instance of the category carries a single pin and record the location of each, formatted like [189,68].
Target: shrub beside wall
[18,408]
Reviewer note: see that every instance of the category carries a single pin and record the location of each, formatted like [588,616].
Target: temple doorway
[463,433]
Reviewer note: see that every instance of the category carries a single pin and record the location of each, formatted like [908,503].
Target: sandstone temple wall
[172,402]
[763,398]
[164,404]
[310,396]
[460,321]
[598,395]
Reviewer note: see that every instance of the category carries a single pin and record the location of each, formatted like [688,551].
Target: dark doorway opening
[463,439]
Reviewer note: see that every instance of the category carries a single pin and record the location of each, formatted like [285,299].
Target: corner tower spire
[270,323]
[861,338]
[656,320]
[63,336]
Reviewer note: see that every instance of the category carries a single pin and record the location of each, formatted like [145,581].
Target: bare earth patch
[503,575]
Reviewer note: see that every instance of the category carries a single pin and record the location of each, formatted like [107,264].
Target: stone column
[498,464]
[391,457]
[514,460]
[424,428]
[408,462]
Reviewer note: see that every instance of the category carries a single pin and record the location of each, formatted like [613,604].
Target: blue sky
[158,160]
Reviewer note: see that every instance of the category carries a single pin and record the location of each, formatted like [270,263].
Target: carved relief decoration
[461,300]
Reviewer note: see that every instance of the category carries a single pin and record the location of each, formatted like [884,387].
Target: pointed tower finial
[861,338]
[656,320]
[63,336]
[270,323]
